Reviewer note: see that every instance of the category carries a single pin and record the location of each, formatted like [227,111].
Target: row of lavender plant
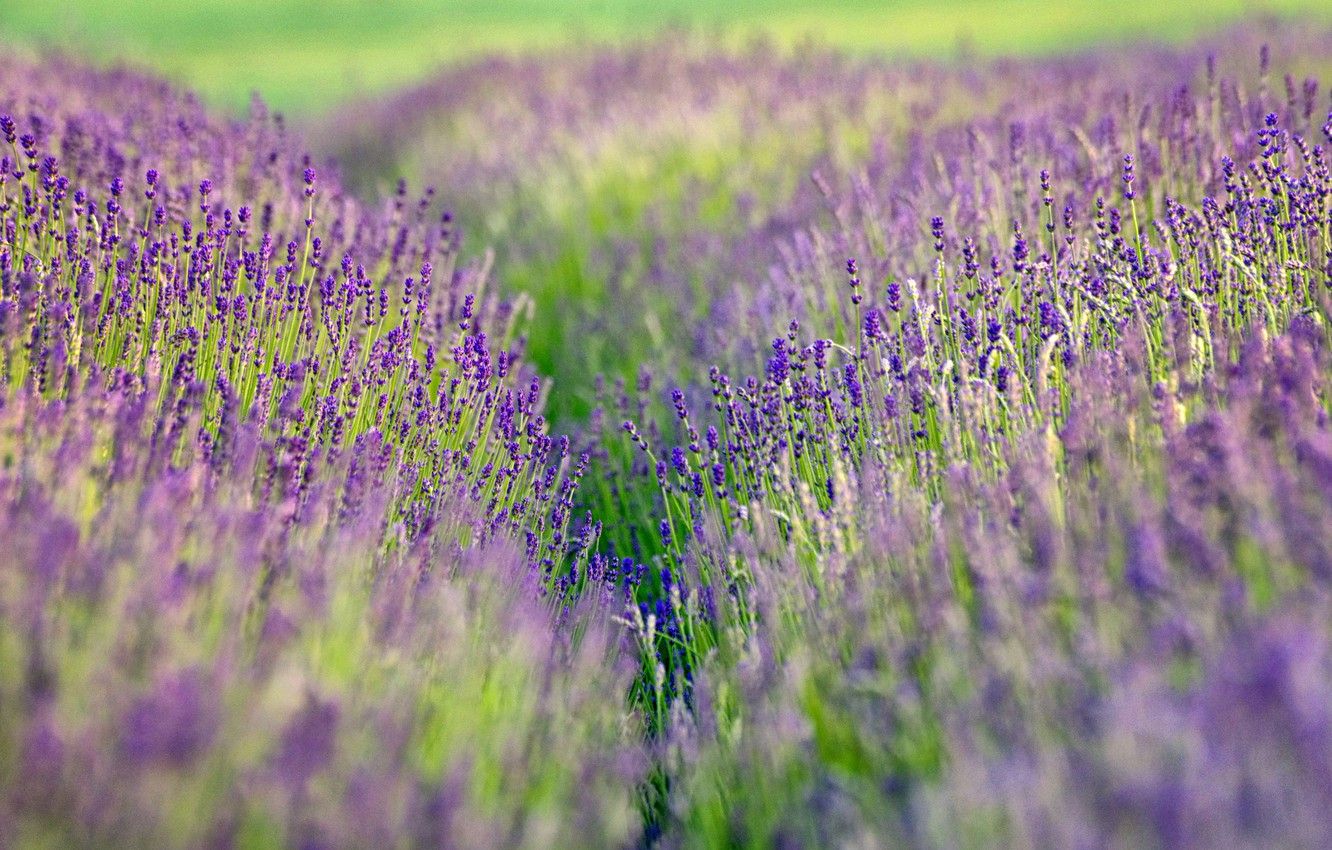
[947,374]
[279,504]
[940,363]
[328,326]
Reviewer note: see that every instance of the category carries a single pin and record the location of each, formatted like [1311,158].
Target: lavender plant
[768,501]
[944,361]
[1001,520]
[276,535]
[256,313]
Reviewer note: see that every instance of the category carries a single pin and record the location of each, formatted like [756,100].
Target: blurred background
[305,55]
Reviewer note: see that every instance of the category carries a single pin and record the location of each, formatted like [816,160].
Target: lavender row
[969,413]
[695,196]
[330,326]
[279,505]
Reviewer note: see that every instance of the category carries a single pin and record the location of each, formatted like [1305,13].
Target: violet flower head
[779,364]
[308,743]
[1020,250]
[678,460]
[894,296]
[174,724]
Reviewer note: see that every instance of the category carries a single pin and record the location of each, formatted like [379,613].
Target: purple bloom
[308,743]
[174,723]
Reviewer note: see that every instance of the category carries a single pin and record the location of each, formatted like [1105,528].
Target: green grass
[304,55]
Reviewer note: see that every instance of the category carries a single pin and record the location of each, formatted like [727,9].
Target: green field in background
[305,55]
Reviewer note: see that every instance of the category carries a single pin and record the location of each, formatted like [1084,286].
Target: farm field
[665,425]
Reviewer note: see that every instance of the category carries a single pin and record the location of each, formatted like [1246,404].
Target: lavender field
[677,442]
